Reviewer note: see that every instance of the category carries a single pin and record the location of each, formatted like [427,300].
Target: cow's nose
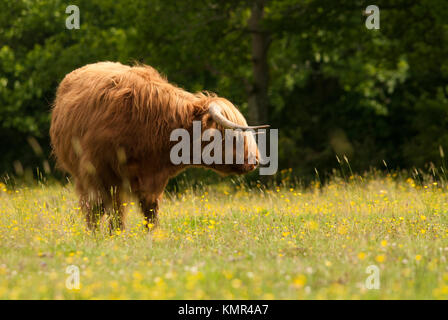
[257,162]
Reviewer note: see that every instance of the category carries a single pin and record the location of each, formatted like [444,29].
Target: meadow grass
[234,242]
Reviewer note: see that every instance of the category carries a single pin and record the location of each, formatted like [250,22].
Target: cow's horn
[215,112]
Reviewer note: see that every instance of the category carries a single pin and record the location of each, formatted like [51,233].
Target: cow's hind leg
[93,208]
[115,209]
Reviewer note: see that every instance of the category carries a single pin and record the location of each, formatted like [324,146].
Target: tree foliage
[334,87]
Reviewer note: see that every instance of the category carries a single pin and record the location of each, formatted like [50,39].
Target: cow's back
[79,125]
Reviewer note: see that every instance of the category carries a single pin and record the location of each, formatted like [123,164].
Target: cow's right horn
[215,112]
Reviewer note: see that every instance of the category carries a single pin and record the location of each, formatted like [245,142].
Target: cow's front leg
[149,190]
[150,208]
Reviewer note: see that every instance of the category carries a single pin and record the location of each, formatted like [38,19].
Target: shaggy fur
[110,130]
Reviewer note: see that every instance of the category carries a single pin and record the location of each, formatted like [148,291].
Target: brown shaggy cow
[110,130]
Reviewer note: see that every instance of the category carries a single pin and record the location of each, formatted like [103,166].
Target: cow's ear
[199,112]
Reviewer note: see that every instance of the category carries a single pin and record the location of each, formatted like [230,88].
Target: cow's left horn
[215,112]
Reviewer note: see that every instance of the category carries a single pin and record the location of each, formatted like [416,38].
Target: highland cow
[110,130]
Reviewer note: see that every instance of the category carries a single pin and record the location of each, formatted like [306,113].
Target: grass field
[228,242]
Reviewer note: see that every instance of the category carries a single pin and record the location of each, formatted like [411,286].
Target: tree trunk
[258,90]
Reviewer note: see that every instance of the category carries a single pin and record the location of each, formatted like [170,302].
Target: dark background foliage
[308,67]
